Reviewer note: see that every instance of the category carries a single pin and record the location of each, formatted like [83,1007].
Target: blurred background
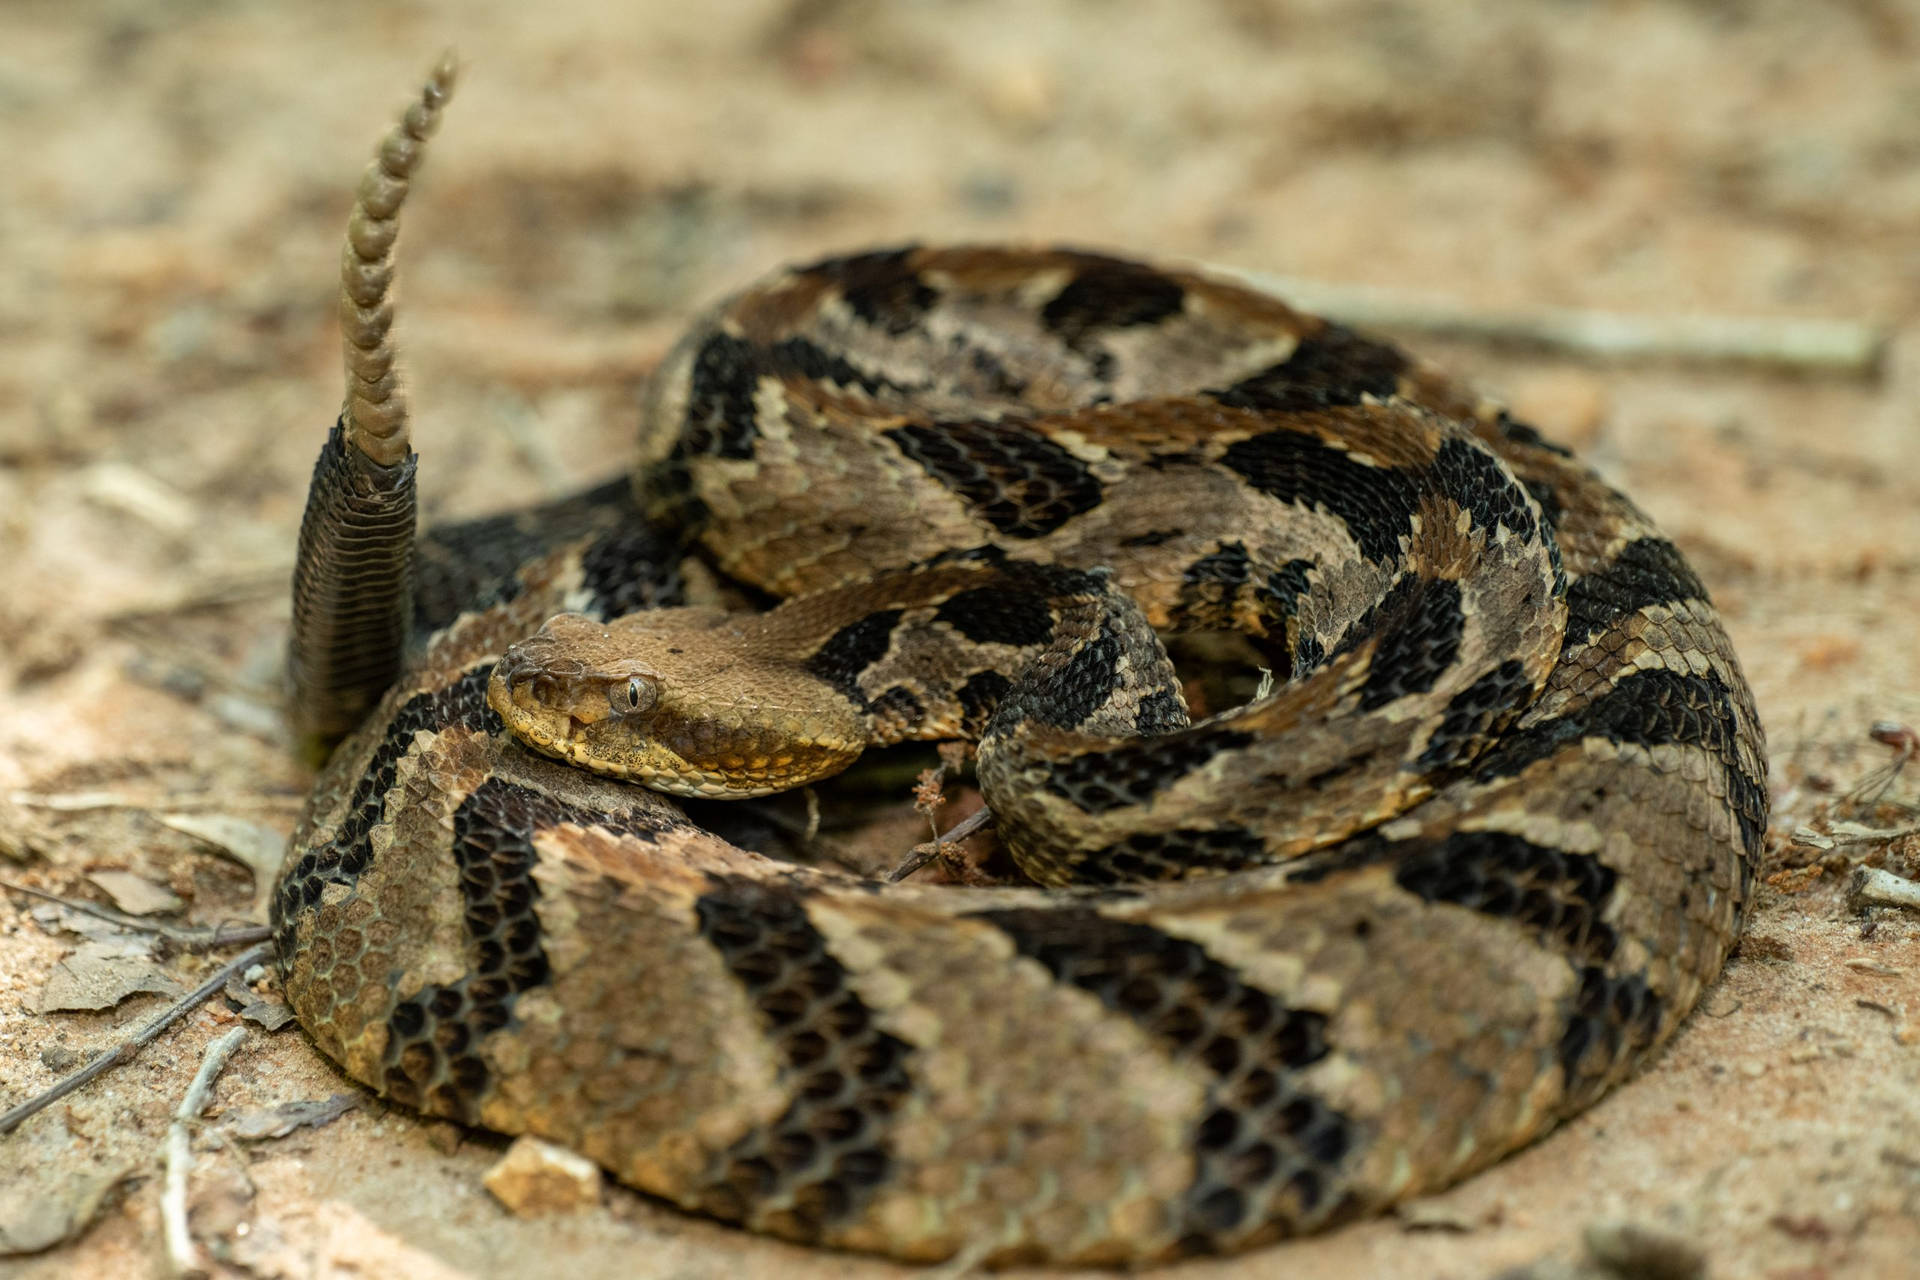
[177,175]
[174,179]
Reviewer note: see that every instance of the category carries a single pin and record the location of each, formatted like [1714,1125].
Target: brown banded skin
[1465,869]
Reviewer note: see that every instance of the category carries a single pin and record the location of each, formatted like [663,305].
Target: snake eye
[635,693]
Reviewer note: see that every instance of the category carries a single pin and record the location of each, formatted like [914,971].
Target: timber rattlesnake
[1472,860]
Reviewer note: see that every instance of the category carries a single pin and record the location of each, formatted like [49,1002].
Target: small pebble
[1628,1249]
[536,1177]
[57,1057]
[1024,95]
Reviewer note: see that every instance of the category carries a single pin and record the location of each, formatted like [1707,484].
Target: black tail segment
[352,589]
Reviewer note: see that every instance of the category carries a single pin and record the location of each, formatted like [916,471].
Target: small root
[183,937]
[183,1256]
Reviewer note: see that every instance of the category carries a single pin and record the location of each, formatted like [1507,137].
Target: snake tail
[353,574]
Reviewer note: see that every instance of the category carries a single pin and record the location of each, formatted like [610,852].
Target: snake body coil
[1461,872]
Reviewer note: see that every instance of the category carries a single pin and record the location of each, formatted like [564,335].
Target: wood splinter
[1874,887]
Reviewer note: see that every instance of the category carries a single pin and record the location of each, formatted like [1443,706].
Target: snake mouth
[526,700]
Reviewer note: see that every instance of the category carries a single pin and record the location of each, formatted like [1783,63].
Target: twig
[917,857]
[110,1058]
[812,832]
[1847,834]
[1905,743]
[921,854]
[805,831]
[1873,887]
[1832,348]
[187,939]
[1891,733]
[182,1256]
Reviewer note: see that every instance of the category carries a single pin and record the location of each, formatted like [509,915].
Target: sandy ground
[174,183]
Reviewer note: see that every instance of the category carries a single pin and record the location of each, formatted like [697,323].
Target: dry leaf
[134,895]
[100,975]
[35,1217]
[58,918]
[252,844]
[279,1121]
[257,1009]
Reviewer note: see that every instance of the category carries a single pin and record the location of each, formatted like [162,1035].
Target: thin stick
[812,832]
[188,939]
[807,831]
[1873,887]
[183,1258]
[1905,743]
[109,1058]
[1831,348]
[921,854]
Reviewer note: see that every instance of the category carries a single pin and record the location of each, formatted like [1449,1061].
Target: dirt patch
[176,182]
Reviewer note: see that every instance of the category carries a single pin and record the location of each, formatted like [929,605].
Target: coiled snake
[1459,873]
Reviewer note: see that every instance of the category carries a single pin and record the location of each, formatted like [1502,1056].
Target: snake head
[654,699]
[552,687]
